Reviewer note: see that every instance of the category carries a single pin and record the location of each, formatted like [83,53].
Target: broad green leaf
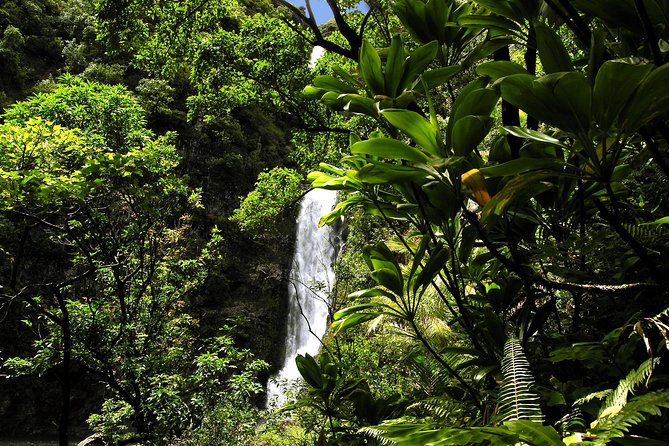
[540,317]
[555,398]
[360,106]
[371,292]
[312,92]
[388,278]
[416,127]
[389,148]
[309,370]
[385,173]
[333,100]
[355,103]
[323,181]
[437,261]
[538,100]
[659,221]
[502,9]
[617,14]
[406,98]
[313,176]
[474,99]
[370,68]
[533,135]
[346,312]
[485,49]
[346,76]
[417,62]
[419,255]
[467,240]
[597,53]
[495,22]
[650,100]
[479,101]
[522,165]
[534,433]
[353,200]
[494,327]
[443,198]
[573,89]
[468,132]
[330,169]
[518,188]
[333,84]
[353,319]
[436,17]
[552,53]
[500,68]
[412,15]
[384,268]
[615,84]
[439,76]
[474,85]
[394,69]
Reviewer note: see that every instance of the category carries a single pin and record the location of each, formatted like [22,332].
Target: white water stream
[309,285]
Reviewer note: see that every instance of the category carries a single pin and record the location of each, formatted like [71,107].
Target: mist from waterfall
[311,276]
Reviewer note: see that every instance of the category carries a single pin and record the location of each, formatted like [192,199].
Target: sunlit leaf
[419,129]
[389,148]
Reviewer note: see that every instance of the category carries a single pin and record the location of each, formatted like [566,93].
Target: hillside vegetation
[503,184]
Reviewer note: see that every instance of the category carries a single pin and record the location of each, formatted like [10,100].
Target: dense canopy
[503,195]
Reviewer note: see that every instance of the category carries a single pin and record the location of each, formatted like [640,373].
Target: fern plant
[617,414]
[634,412]
[617,399]
[517,400]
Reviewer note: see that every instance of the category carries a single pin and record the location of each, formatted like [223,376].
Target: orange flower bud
[475,184]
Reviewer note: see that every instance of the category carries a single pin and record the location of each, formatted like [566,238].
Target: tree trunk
[510,114]
[66,388]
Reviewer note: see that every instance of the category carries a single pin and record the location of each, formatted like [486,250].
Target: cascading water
[310,279]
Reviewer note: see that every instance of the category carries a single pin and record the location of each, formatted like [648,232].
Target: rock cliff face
[250,293]
[29,407]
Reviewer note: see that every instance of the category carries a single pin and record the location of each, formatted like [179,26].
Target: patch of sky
[322,11]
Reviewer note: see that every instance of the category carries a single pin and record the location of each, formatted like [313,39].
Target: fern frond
[634,412]
[421,434]
[618,398]
[517,400]
[647,233]
[434,379]
[593,396]
[439,408]
[376,435]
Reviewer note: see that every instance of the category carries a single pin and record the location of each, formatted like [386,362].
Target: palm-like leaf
[517,400]
[632,413]
[411,434]
[618,398]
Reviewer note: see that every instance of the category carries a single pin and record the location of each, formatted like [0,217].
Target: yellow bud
[475,184]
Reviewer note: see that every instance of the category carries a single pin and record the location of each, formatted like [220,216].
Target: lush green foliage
[526,231]
[105,202]
[275,190]
[514,212]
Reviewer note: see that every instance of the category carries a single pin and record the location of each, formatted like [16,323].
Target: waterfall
[310,279]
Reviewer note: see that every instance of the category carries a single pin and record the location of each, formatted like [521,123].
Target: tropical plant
[346,405]
[522,229]
[105,266]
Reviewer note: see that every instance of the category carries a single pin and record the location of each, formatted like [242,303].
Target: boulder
[93,440]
